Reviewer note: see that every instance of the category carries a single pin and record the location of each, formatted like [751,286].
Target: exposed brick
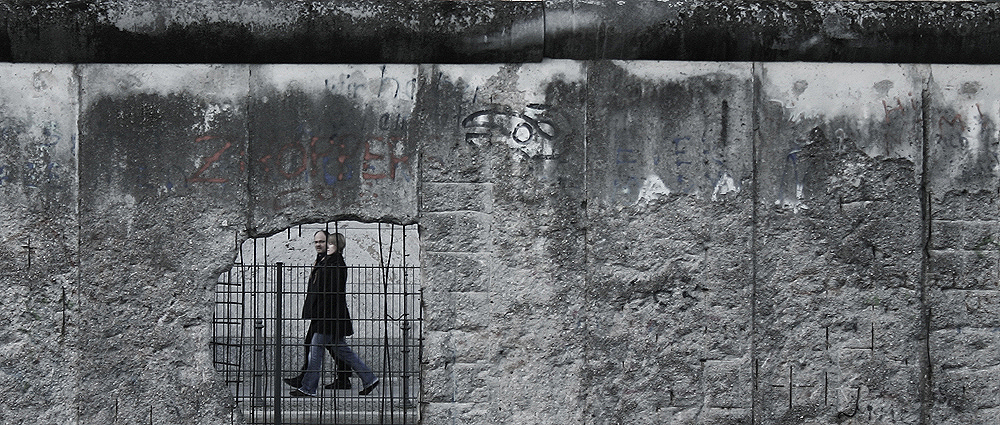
[966,235]
[455,232]
[442,304]
[461,272]
[975,270]
[967,389]
[469,347]
[472,382]
[442,197]
[977,348]
[728,383]
[472,310]
[957,308]
[439,384]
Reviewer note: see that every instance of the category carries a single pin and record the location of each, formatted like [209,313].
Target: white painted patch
[725,185]
[652,188]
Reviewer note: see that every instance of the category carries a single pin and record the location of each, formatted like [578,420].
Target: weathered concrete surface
[260,31]
[38,243]
[669,151]
[822,31]
[504,199]
[331,142]
[496,31]
[839,319]
[963,182]
[162,203]
[601,242]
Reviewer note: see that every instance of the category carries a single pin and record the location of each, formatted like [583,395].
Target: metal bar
[278,287]
[257,391]
[405,327]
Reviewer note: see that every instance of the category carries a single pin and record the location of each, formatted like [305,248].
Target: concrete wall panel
[162,152]
[331,141]
[669,234]
[601,242]
[838,311]
[503,148]
[963,182]
[39,259]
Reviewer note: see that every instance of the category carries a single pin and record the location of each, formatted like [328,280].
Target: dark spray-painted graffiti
[533,130]
[326,162]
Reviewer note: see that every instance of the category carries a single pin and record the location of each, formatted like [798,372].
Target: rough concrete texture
[838,313]
[496,31]
[515,135]
[333,140]
[601,242]
[669,152]
[38,243]
[963,185]
[162,199]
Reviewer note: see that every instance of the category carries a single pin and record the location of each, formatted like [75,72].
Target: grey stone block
[464,231]
[965,235]
[456,271]
[474,382]
[971,270]
[442,197]
[963,308]
[958,348]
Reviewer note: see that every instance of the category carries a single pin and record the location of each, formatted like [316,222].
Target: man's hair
[324,232]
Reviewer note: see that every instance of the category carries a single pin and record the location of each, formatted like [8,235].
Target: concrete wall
[601,242]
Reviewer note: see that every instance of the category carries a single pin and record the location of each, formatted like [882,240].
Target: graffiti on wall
[318,164]
[35,165]
[387,87]
[532,130]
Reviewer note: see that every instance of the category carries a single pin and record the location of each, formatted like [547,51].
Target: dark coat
[326,298]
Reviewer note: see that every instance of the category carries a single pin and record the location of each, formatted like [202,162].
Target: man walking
[326,306]
[343,379]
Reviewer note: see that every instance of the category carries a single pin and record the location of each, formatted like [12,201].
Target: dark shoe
[295,382]
[299,393]
[340,384]
[368,388]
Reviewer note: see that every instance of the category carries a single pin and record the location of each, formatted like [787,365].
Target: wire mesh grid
[259,339]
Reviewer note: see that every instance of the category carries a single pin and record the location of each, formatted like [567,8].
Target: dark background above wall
[492,31]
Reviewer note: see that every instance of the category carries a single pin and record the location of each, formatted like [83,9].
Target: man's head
[319,241]
[336,243]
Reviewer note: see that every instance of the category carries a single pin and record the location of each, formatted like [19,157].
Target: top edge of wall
[494,31]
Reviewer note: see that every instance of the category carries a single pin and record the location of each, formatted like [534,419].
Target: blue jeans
[310,381]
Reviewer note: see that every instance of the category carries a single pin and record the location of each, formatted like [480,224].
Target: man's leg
[296,381]
[343,379]
[310,380]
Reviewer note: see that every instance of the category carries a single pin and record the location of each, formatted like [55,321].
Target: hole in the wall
[259,334]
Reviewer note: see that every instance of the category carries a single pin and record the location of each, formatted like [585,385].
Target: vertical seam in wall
[586,233]
[75,351]
[925,392]
[545,53]
[753,238]
[246,148]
